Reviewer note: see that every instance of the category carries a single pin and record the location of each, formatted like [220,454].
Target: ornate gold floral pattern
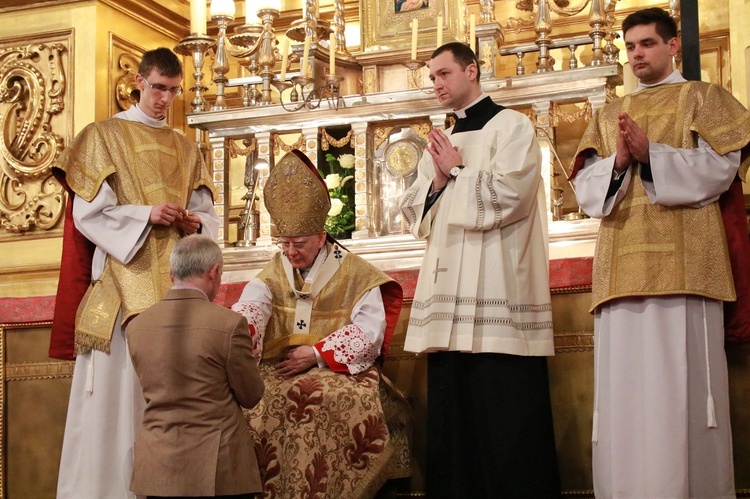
[322,434]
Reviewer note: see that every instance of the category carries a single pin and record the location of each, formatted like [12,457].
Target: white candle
[414,33]
[305,54]
[332,50]
[198,17]
[284,58]
[440,30]
[473,32]
[222,8]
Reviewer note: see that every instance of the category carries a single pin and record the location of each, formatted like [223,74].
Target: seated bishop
[329,424]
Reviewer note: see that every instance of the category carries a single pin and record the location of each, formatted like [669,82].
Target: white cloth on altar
[655,353]
[106,404]
[484,281]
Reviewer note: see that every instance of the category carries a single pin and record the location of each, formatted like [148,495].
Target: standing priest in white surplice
[482,304]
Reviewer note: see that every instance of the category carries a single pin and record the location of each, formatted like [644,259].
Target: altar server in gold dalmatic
[135,187]
[660,168]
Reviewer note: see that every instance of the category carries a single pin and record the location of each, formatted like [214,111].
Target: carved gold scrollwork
[32,86]
[126,90]
[381,134]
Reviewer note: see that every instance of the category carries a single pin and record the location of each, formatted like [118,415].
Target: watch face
[455,171]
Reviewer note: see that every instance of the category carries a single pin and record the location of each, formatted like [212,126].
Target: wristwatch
[456,170]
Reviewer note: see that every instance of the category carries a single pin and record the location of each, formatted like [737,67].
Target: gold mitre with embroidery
[296,196]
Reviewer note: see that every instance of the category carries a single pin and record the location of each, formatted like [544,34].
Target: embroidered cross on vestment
[438,269]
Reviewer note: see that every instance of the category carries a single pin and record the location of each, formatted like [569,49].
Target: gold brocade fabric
[645,249]
[144,166]
[332,308]
[322,434]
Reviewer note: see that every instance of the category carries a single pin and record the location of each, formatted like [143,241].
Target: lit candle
[305,54]
[414,33]
[284,58]
[198,17]
[440,30]
[473,32]
[222,8]
[332,49]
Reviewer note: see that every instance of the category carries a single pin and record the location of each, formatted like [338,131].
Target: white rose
[346,161]
[336,206]
[333,180]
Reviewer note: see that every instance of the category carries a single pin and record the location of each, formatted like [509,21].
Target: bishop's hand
[297,360]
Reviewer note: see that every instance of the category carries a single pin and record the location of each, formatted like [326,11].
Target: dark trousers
[489,427]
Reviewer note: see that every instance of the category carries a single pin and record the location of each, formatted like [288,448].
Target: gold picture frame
[385,29]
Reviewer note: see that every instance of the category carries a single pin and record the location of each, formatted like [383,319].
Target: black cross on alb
[301,324]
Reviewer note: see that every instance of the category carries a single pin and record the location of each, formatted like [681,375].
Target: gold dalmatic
[646,249]
[144,166]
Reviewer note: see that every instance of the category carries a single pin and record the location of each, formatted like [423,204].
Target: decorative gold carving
[32,93]
[557,114]
[279,145]
[326,140]
[369,83]
[28,371]
[124,58]
[126,91]
[235,150]
[574,341]
[422,130]
[381,134]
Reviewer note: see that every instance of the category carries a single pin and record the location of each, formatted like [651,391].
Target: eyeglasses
[286,245]
[175,91]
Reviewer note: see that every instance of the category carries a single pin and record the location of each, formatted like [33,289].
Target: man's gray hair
[193,256]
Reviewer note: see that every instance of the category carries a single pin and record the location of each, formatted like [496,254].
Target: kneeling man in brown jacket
[194,361]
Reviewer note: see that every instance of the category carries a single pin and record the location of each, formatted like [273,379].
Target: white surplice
[106,404]
[661,403]
[483,285]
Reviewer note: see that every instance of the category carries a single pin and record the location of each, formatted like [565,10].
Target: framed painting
[386,24]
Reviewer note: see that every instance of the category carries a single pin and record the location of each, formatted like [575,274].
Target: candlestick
[198,17]
[305,55]
[440,31]
[414,33]
[473,32]
[284,59]
[332,50]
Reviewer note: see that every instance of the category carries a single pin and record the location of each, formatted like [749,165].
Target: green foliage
[340,181]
